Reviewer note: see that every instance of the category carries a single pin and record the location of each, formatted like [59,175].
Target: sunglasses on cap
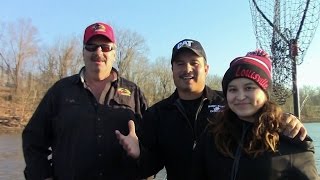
[94,47]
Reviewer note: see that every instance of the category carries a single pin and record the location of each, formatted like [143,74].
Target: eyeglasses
[94,47]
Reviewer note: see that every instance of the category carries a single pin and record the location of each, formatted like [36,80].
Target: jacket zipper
[235,165]
[181,109]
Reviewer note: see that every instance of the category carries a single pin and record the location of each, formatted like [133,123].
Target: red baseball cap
[99,29]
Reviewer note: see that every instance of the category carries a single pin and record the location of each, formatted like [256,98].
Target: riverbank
[6,129]
[11,124]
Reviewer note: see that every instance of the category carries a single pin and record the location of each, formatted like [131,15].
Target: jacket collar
[207,93]
[80,77]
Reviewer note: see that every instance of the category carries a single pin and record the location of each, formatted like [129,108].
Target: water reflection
[11,157]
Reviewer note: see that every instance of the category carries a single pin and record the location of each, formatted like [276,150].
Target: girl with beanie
[244,141]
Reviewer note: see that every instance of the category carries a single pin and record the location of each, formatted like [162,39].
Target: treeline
[309,104]
[28,68]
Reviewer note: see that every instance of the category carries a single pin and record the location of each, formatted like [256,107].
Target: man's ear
[206,69]
[115,55]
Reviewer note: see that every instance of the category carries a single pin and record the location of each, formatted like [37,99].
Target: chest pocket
[74,111]
[123,98]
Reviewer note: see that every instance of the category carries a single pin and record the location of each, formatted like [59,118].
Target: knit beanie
[255,65]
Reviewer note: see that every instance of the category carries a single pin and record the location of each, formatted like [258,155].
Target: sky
[224,28]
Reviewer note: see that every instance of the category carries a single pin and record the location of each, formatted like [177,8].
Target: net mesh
[278,25]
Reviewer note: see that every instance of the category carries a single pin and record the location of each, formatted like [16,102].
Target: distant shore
[7,129]
[315,120]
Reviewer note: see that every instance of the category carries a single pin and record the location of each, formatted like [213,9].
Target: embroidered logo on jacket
[124,92]
[215,108]
[70,100]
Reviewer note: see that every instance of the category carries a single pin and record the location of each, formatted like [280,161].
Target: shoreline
[7,129]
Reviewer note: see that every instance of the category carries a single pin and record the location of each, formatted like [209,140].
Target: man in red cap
[76,120]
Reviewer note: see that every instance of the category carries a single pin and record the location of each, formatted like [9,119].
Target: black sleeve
[141,102]
[303,163]
[141,106]
[36,140]
[150,161]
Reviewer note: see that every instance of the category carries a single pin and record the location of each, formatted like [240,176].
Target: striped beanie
[255,65]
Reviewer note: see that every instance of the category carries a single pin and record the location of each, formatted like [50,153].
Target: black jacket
[293,161]
[80,132]
[169,137]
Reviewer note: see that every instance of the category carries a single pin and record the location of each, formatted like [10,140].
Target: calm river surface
[12,163]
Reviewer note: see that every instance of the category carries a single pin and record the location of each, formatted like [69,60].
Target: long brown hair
[264,135]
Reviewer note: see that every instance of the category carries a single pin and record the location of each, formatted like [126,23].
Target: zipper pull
[194,144]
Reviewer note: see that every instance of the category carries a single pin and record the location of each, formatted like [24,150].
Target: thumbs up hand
[130,143]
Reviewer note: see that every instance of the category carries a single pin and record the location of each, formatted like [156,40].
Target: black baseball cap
[191,44]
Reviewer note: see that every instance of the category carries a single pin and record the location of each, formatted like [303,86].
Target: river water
[12,163]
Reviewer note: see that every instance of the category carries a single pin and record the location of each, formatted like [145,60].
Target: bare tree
[62,59]
[20,45]
[68,56]
[130,46]
[140,70]
[2,63]
[164,81]
[214,82]
[18,49]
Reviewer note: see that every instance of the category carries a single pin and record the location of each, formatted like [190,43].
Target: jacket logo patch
[124,92]
[215,108]
[70,100]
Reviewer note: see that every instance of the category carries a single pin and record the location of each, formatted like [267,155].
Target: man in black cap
[172,127]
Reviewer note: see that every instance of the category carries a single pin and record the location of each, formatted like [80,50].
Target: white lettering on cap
[184,44]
